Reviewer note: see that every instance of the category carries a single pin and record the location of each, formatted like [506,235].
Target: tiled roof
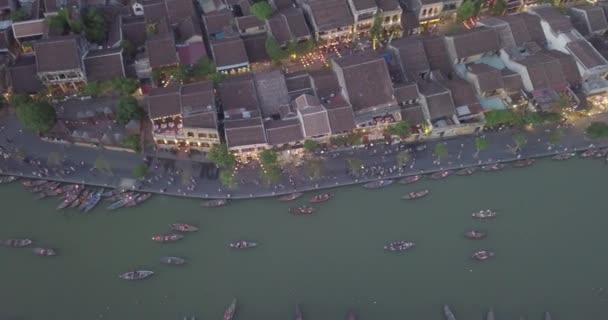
[388,5]
[406,91]
[238,94]
[134,30]
[164,102]
[474,41]
[161,51]
[340,114]
[244,132]
[29,28]
[544,71]
[585,54]
[330,14]
[568,63]
[280,132]
[58,54]
[297,84]
[462,92]
[272,92]
[412,56]
[325,83]
[367,80]
[229,52]
[437,54]
[104,65]
[524,27]
[595,19]
[512,80]
[413,114]
[282,4]
[217,22]
[288,24]
[255,46]
[558,22]
[360,5]
[488,78]
[23,76]
[248,22]
[178,10]
[198,105]
[439,101]
[154,10]
[189,28]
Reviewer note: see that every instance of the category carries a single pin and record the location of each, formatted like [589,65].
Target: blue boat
[122,202]
[93,201]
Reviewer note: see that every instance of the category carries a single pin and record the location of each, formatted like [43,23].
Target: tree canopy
[95,26]
[128,110]
[520,140]
[228,178]
[268,157]
[503,116]
[125,85]
[466,10]
[220,155]
[310,145]
[261,10]
[482,143]
[36,115]
[499,7]
[273,50]
[441,150]
[140,170]
[132,142]
[401,128]
[19,15]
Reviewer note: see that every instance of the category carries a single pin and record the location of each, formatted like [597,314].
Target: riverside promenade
[30,157]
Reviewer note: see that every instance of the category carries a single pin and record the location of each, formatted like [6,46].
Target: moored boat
[167,237]
[215,203]
[113,192]
[118,196]
[230,311]
[172,261]
[398,246]
[302,210]
[17,243]
[298,313]
[588,153]
[564,156]
[484,214]
[492,167]
[475,234]
[523,163]
[490,315]
[449,315]
[482,255]
[410,179]
[416,194]
[547,315]
[136,275]
[351,315]
[378,184]
[86,201]
[8,179]
[440,175]
[139,199]
[183,227]
[466,171]
[291,196]
[44,252]
[33,183]
[122,202]
[599,154]
[44,187]
[320,198]
[80,198]
[242,244]
[67,201]
[93,201]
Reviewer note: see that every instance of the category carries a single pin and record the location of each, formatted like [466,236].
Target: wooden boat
[449,315]
[122,202]
[113,192]
[564,156]
[86,201]
[44,187]
[351,315]
[83,195]
[490,315]
[378,184]
[291,197]
[320,198]
[93,201]
[136,275]
[167,237]
[398,246]
[8,179]
[243,244]
[523,163]
[139,199]
[484,214]
[466,171]
[493,167]
[599,154]
[33,183]
[182,227]
[70,188]
[547,315]
[482,255]
[440,175]
[215,203]
[302,210]
[416,194]
[67,201]
[475,234]
[410,179]
[298,313]
[588,154]
[17,243]
[176,261]
[118,196]
[230,311]
[47,252]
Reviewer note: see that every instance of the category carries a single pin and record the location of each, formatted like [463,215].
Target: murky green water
[550,240]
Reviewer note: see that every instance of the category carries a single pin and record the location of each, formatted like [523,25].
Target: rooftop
[58,54]
[330,14]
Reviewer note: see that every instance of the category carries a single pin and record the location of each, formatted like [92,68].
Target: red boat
[475,234]
[167,237]
[440,175]
[183,227]
[215,203]
[302,210]
[482,255]
[410,179]
[44,252]
[320,198]
[229,313]
[291,197]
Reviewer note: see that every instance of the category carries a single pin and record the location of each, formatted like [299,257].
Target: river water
[549,240]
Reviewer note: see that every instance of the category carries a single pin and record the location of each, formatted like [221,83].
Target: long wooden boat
[183,227]
[440,175]
[298,313]
[490,315]
[547,315]
[67,201]
[46,252]
[136,275]
[416,194]
[93,201]
[493,167]
[466,171]
[8,179]
[564,156]
[475,234]
[215,203]
[291,196]
[302,210]
[482,255]
[17,243]
[378,184]
[398,246]
[449,315]
[523,163]
[86,201]
[230,311]
[351,315]
[484,214]
[409,180]
[81,197]
[167,237]
[118,196]
[44,187]
[320,198]
[242,244]
[588,153]
[113,192]
[33,183]
[122,202]
[139,199]
[600,154]
[176,261]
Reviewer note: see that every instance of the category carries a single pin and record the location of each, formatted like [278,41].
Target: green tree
[520,141]
[127,110]
[306,46]
[129,48]
[441,150]
[91,88]
[355,166]
[376,30]
[204,67]
[403,157]
[38,115]
[292,47]
[261,10]
[481,143]
[499,117]
[310,145]
[228,178]
[268,157]
[401,128]
[17,100]
[59,23]
[19,15]
[140,170]
[220,155]
[499,7]
[124,86]
[561,104]
[597,130]
[95,26]
[314,168]
[270,174]
[273,50]
[466,10]
[132,142]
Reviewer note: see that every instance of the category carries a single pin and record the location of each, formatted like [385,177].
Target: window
[396,18]
[202,135]
[190,134]
[260,148]
[387,19]
[206,145]
[212,135]
[423,12]
[160,142]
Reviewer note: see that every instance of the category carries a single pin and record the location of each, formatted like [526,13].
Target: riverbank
[191,179]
